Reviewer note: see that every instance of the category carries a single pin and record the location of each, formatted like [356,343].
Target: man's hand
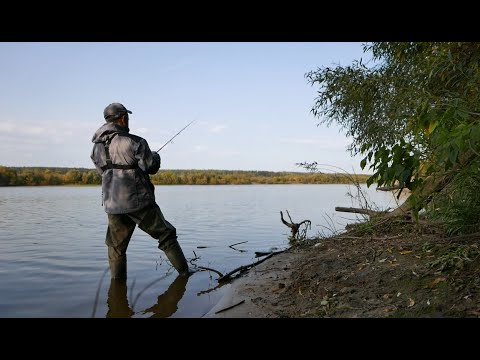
[156,157]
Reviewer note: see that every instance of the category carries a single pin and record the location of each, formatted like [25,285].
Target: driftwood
[262,253]
[204,268]
[230,307]
[359,211]
[295,227]
[244,268]
[211,289]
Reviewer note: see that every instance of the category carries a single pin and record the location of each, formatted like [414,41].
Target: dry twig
[246,267]
[230,307]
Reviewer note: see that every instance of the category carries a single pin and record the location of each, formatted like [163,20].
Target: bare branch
[289,216]
[359,211]
[295,227]
[243,242]
[246,267]
[209,269]
[232,246]
[230,307]
[210,290]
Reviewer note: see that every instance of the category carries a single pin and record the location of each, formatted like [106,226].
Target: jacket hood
[106,131]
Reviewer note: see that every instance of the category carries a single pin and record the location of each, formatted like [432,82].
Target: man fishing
[125,162]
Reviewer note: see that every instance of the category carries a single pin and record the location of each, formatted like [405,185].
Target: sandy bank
[255,294]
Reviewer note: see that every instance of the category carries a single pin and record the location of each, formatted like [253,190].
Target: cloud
[217,129]
[24,134]
[8,127]
[199,148]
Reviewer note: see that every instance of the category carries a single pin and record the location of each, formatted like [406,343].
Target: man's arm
[94,156]
[148,160]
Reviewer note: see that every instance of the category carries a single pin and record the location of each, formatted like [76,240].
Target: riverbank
[397,270]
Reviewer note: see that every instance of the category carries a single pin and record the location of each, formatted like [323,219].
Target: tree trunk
[433,184]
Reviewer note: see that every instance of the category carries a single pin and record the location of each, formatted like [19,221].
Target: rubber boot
[118,269]
[177,259]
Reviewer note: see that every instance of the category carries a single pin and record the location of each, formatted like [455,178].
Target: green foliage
[363,228]
[455,258]
[414,111]
[33,176]
[459,207]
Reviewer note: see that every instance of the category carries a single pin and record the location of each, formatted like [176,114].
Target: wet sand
[255,293]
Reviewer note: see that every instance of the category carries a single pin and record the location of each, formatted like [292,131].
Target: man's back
[124,162]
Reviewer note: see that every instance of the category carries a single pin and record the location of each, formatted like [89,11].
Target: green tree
[412,112]
[7,176]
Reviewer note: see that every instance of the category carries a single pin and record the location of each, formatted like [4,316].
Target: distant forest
[35,176]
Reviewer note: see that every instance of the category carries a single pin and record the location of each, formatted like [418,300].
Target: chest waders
[172,249]
[118,267]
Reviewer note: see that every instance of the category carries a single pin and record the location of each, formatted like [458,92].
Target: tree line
[43,176]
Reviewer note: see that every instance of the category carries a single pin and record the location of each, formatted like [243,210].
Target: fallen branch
[210,290]
[293,225]
[232,246]
[194,259]
[246,267]
[243,242]
[230,307]
[262,253]
[209,269]
[359,211]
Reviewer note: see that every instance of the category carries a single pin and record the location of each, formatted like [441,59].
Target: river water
[53,259]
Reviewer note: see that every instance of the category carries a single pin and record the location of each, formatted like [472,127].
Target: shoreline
[401,272]
[255,293]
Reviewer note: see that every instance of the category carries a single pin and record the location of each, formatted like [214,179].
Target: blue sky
[251,102]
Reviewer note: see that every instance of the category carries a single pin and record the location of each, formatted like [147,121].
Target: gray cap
[114,111]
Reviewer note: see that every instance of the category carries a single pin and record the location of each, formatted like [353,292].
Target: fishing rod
[174,136]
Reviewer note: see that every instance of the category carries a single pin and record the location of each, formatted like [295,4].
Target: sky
[250,101]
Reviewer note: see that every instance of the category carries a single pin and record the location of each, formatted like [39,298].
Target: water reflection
[117,302]
[166,306]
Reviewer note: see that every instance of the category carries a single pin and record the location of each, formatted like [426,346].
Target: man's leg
[119,233]
[153,223]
